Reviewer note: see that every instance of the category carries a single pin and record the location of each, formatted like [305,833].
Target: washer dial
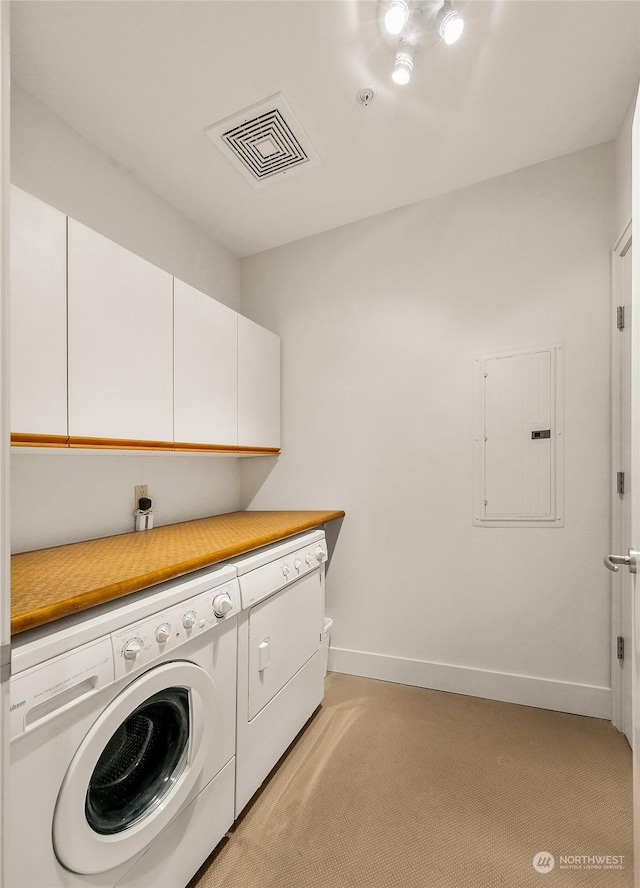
[189,620]
[163,633]
[132,648]
[222,604]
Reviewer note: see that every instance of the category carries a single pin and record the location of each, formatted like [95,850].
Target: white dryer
[280,666]
[123,739]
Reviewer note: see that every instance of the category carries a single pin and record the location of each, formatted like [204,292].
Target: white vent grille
[264,141]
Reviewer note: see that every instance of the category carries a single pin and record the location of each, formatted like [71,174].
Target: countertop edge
[24,620]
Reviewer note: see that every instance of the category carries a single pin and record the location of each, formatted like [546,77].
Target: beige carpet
[398,787]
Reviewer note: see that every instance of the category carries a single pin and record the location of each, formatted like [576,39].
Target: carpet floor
[390,786]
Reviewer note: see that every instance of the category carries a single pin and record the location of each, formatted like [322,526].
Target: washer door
[135,768]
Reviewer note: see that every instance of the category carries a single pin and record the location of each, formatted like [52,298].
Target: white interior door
[5,587]
[621,482]
[635,488]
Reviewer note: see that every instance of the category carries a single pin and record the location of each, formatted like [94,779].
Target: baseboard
[526,690]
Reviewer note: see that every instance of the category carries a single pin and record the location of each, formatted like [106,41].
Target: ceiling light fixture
[403,67]
[451,23]
[418,24]
[396,17]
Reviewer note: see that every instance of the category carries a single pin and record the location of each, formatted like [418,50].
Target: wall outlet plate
[138,491]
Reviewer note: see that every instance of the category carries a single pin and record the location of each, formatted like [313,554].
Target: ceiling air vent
[264,141]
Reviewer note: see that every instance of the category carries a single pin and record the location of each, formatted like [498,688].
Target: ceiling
[529,80]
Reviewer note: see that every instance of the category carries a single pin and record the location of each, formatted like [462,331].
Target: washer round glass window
[140,763]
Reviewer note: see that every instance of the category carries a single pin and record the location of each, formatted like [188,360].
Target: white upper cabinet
[106,346]
[258,386]
[38,310]
[120,342]
[205,369]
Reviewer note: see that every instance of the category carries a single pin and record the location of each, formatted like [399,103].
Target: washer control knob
[132,649]
[163,633]
[297,564]
[189,620]
[222,604]
[308,558]
[320,553]
[286,570]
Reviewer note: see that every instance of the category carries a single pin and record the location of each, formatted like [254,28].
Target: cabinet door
[205,368]
[120,342]
[38,317]
[258,386]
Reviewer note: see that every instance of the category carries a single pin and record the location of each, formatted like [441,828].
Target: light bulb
[396,17]
[451,27]
[401,74]
[403,67]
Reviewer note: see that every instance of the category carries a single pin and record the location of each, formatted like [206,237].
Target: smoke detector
[265,141]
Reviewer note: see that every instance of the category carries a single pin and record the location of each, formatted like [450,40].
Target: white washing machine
[123,739]
[280,666]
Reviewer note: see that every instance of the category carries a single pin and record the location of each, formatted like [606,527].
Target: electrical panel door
[518,439]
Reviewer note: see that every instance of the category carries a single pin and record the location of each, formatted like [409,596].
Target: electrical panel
[519,438]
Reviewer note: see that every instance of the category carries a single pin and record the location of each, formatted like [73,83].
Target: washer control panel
[42,692]
[139,644]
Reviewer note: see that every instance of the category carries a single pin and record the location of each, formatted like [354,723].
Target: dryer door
[284,632]
[135,768]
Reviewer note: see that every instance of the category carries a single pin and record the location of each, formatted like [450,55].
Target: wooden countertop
[51,583]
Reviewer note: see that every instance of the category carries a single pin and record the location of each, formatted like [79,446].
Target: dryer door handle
[263,655]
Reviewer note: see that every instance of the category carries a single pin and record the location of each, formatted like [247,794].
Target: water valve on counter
[144,514]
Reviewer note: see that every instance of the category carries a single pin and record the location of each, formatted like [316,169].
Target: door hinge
[5,662]
[620,317]
[620,647]
[620,483]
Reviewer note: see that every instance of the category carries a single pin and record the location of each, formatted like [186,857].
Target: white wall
[67,496]
[62,497]
[380,321]
[60,166]
[622,215]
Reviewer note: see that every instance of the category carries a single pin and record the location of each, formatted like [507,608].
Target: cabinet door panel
[120,342]
[38,309]
[258,385]
[206,368]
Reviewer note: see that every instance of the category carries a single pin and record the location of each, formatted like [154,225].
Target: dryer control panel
[139,644]
[265,579]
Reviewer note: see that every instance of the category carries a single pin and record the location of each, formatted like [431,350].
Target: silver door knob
[610,561]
